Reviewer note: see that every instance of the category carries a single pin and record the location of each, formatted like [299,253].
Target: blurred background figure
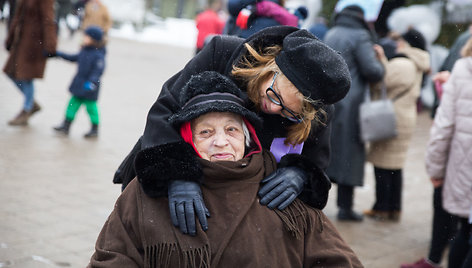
[407,61]
[248,17]
[31,39]
[96,13]
[208,24]
[85,86]
[351,36]
[11,10]
[319,28]
[448,160]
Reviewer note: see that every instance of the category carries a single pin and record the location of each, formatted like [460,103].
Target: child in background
[86,84]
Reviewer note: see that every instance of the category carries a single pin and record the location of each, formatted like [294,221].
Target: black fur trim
[156,166]
[316,190]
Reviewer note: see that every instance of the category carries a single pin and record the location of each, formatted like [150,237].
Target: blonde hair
[466,50]
[255,68]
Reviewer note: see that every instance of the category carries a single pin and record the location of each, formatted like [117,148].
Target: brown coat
[242,233]
[96,14]
[32,32]
[400,74]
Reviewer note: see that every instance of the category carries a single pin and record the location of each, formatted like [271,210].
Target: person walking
[208,23]
[403,76]
[31,39]
[85,86]
[291,78]
[351,36]
[215,123]
[447,160]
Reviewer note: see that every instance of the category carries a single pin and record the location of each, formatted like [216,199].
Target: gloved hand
[245,16]
[185,198]
[49,54]
[89,85]
[282,187]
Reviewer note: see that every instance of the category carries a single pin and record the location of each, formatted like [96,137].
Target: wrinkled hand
[282,187]
[185,199]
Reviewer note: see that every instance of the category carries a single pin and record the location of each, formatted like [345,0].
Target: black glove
[282,187]
[49,54]
[185,198]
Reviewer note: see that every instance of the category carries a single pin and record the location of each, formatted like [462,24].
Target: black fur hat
[315,69]
[415,39]
[212,92]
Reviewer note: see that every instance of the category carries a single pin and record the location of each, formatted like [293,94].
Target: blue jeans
[27,88]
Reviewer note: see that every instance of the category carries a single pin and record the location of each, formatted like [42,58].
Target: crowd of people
[274,108]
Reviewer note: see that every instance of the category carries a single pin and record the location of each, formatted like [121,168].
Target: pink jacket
[449,153]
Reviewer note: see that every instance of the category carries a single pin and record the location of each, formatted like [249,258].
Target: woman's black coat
[220,55]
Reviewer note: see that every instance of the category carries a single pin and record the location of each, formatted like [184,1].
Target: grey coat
[353,40]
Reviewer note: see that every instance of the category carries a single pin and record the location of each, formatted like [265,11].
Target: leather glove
[245,16]
[89,85]
[185,199]
[282,187]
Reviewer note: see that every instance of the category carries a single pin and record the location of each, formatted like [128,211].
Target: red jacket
[208,22]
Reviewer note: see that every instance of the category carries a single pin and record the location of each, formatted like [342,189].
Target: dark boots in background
[93,133]
[64,127]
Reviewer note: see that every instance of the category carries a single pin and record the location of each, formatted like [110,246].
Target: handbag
[377,118]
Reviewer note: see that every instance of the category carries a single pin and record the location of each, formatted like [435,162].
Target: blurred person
[403,75]
[63,8]
[447,160]
[319,28]
[250,16]
[216,125]
[31,39]
[208,23]
[11,11]
[292,78]
[85,86]
[352,37]
[96,13]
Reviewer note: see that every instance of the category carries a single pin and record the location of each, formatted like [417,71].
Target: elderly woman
[291,79]
[243,233]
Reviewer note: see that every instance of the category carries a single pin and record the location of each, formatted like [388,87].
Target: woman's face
[219,136]
[289,95]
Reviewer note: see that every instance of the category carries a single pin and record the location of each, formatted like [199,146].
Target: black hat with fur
[212,92]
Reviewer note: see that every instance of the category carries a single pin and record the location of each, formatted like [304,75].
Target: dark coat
[220,55]
[91,64]
[258,23]
[139,232]
[353,40]
[32,33]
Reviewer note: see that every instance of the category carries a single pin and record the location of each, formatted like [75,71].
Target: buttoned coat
[32,33]
[449,151]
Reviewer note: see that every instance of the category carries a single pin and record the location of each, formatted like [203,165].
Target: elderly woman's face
[279,96]
[219,136]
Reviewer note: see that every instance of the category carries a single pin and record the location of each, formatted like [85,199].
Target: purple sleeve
[277,12]
[279,149]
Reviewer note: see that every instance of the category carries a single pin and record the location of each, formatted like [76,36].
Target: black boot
[64,127]
[93,133]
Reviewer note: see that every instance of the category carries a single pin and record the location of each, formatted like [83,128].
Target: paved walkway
[56,192]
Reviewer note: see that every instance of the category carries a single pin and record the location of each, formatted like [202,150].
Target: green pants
[74,105]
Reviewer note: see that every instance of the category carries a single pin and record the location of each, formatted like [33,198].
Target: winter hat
[211,92]
[95,32]
[389,46]
[415,39]
[316,70]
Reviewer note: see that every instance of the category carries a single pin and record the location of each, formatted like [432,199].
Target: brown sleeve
[324,246]
[119,243]
[48,25]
